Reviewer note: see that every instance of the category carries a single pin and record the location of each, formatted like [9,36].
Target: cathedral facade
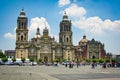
[44,46]
[89,49]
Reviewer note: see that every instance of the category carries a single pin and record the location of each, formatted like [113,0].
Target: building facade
[89,49]
[44,46]
[22,36]
[10,53]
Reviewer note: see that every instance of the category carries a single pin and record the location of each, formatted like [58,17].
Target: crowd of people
[93,64]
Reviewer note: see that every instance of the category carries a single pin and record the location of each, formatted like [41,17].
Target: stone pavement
[58,73]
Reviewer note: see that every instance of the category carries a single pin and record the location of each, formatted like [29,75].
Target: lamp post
[110,57]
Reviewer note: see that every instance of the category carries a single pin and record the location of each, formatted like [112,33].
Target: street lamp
[110,57]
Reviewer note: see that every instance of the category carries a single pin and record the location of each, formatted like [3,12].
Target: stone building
[89,49]
[22,36]
[10,53]
[44,46]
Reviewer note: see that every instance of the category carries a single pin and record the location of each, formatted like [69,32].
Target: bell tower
[65,38]
[22,36]
[65,35]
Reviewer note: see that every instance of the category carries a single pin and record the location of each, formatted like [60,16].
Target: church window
[22,25]
[64,28]
[67,28]
[67,39]
[19,25]
[21,38]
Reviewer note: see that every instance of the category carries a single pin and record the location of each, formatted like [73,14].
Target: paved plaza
[58,73]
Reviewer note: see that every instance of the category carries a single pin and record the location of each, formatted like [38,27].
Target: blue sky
[98,19]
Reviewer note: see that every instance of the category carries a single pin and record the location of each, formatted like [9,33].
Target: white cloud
[41,23]
[96,25]
[9,35]
[91,24]
[75,11]
[37,22]
[63,2]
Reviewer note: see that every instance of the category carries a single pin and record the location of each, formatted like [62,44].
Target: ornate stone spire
[65,17]
[22,13]
[38,31]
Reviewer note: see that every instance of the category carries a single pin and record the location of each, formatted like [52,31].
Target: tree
[107,60]
[101,60]
[114,60]
[13,59]
[56,60]
[63,60]
[31,59]
[2,55]
[23,60]
[4,59]
[95,60]
[87,60]
[40,60]
[73,60]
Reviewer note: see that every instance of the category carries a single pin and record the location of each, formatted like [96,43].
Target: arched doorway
[93,57]
[45,59]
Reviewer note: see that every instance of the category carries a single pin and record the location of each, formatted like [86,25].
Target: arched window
[22,25]
[25,36]
[25,25]
[67,39]
[21,38]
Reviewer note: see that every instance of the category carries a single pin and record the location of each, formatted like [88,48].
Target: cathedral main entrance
[45,59]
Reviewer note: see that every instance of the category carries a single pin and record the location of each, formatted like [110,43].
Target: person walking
[93,65]
[77,64]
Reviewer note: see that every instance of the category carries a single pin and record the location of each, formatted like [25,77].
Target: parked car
[66,62]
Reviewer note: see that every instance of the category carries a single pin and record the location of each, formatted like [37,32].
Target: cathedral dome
[37,33]
[37,36]
[83,41]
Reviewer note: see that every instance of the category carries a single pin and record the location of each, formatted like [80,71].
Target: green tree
[101,60]
[2,55]
[73,60]
[31,59]
[87,60]
[63,60]
[13,59]
[4,59]
[114,60]
[40,60]
[23,60]
[107,60]
[95,60]
[56,60]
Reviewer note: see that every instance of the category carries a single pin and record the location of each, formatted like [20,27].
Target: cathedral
[46,48]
